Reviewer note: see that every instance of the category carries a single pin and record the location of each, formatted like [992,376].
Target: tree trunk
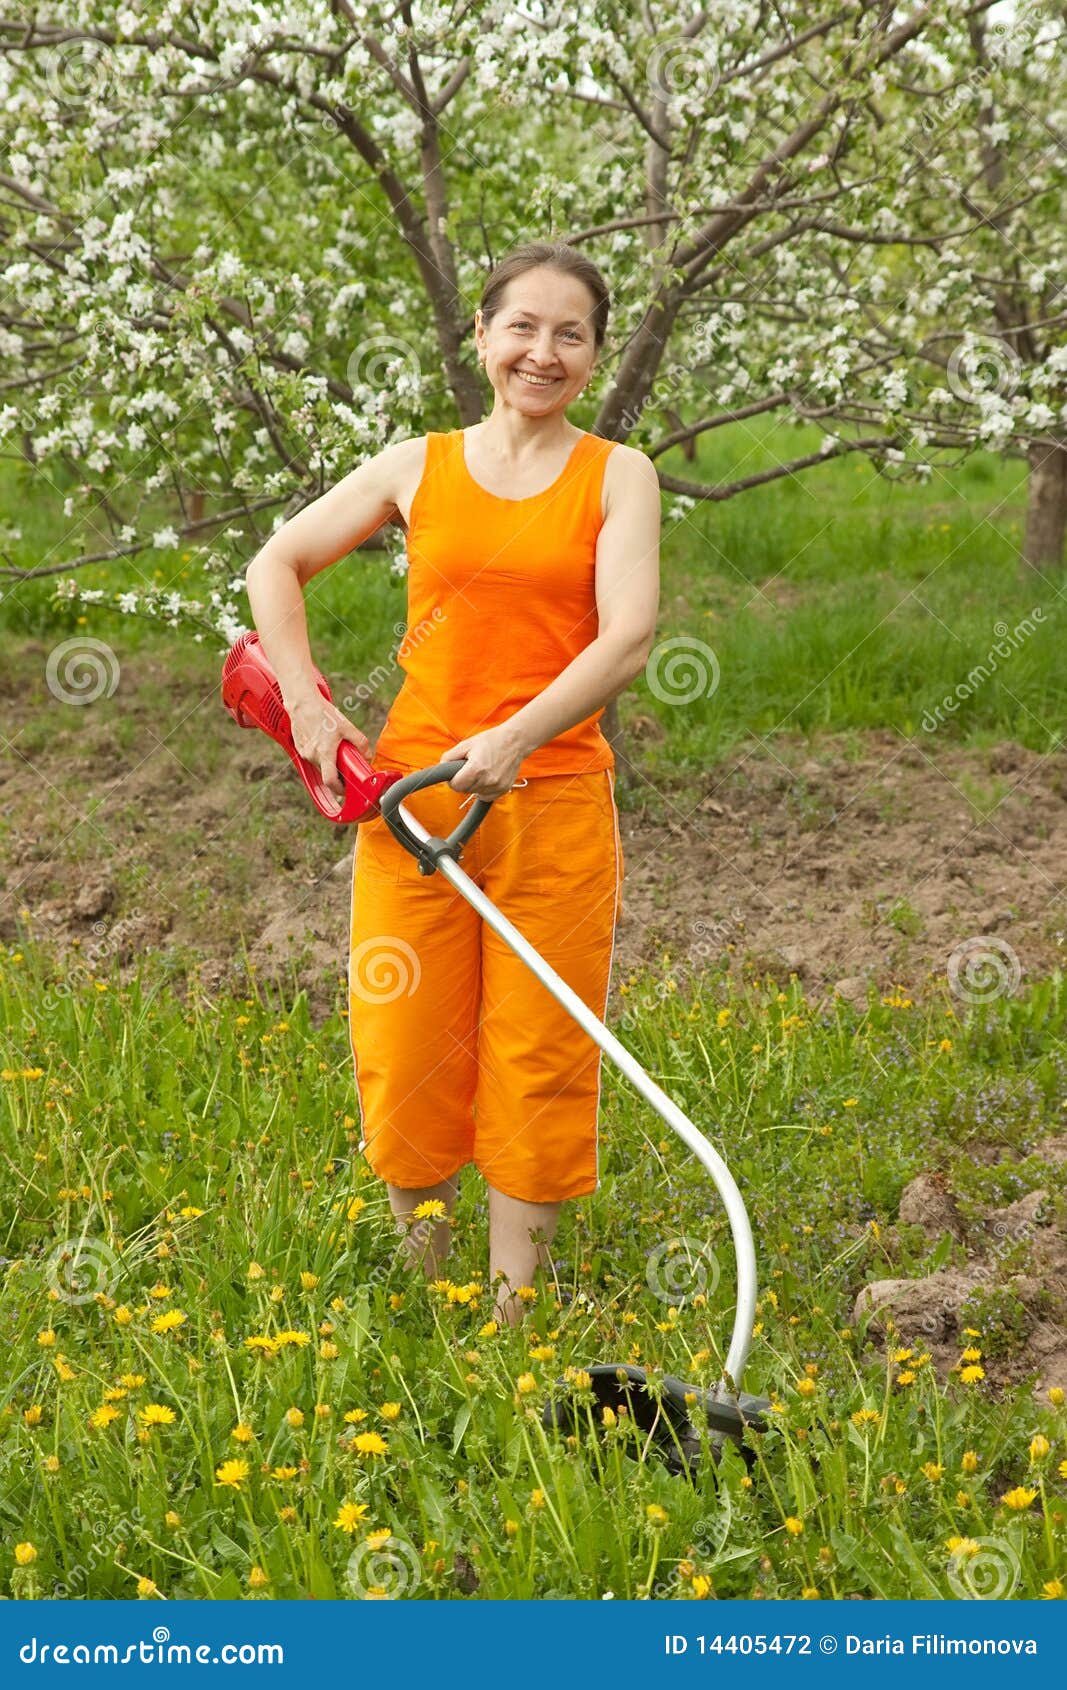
[610,726]
[1046,508]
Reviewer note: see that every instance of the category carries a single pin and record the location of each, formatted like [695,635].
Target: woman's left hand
[493,760]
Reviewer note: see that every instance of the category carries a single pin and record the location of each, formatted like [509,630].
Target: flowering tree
[248,244]
[961,339]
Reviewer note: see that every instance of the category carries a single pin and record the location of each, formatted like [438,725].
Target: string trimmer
[253,698]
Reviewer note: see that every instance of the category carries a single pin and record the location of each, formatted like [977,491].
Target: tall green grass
[169,1152]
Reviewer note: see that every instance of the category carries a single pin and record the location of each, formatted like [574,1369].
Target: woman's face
[538,347]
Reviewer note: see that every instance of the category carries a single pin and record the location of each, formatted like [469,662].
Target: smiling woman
[533,551]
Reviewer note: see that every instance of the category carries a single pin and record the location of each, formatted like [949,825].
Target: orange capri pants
[460,1053]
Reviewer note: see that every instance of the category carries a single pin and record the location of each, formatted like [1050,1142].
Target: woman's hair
[556,255]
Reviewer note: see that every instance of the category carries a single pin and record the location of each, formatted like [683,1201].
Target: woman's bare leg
[426,1240]
[512,1250]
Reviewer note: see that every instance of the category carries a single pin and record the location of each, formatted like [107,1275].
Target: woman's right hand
[318,729]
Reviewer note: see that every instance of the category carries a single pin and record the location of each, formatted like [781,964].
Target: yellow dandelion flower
[390,1411]
[809,1593]
[51,1464]
[657,1515]
[525,1383]
[1055,1396]
[489,1330]
[103,1416]
[865,1416]
[906,1378]
[370,1443]
[355,1415]
[232,1473]
[375,1540]
[1019,1498]
[146,1587]
[794,1526]
[242,1433]
[701,1586]
[261,1344]
[805,1387]
[169,1322]
[1039,1447]
[308,1281]
[537,1498]
[433,1206]
[46,1338]
[932,1470]
[349,1516]
[32,1415]
[131,1381]
[25,1553]
[156,1414]
[969,1461]
[962,1547]
[1053,1590]
[172,1519]
[971,1375]
[258,1579]
[970,1354]
[295,1417]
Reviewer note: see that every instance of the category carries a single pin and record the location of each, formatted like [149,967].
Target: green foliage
[171,1152]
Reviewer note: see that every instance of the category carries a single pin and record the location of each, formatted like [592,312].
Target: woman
[533,588]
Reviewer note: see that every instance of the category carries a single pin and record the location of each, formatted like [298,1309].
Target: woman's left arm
[627,597]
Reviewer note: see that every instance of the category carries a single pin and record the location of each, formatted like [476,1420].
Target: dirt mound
[1018,1251]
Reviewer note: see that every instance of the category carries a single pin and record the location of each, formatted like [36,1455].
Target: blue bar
[535,1643]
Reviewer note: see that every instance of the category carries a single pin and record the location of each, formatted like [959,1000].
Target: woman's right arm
[320,534]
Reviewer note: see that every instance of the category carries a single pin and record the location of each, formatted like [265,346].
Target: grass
[890,593]
[166,1151]
[170,1153]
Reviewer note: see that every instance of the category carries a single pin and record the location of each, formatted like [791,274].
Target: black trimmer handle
[428,851]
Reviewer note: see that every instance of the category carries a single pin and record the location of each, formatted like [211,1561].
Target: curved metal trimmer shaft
[395,812]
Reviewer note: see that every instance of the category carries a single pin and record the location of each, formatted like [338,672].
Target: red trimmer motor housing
[251,694]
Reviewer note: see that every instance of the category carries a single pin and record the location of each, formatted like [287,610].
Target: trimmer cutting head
[252,696]
[665,1419]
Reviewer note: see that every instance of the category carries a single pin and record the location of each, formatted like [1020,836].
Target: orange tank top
[501,598]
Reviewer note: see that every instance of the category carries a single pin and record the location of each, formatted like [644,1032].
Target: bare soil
[867,859]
